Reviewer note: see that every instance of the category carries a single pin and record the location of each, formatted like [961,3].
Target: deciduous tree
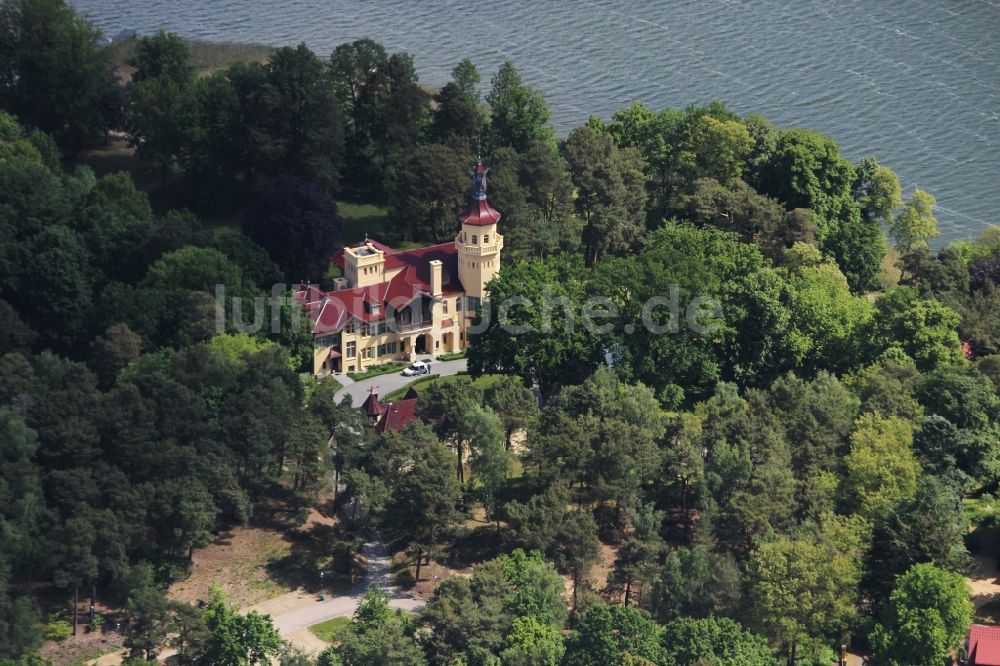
[691,642]
[55,70]
[927,616]
[915,225]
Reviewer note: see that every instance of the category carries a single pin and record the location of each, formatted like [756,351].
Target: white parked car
[418,368]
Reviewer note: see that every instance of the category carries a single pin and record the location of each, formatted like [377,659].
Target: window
[437,344]
[367,352]
[387,348]
[475,240]
[486,239]
[444,306]
[473,304]
[351,327]
[351,350]
[458,303]
[365,330]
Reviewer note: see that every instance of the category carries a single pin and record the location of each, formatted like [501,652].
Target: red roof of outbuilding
[984,645]
[397,414]
[371,406]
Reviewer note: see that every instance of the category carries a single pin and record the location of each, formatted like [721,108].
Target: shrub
[59,630]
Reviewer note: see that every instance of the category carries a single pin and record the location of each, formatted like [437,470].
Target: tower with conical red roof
[478,244]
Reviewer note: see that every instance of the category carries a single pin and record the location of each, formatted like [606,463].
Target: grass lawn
[326,630]
[211,56]
[452,357]
[889,272]
[208,56]
[380,369]
[361,219]
[484,382]
[367,218]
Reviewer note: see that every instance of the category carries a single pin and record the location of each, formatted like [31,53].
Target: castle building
[401,306]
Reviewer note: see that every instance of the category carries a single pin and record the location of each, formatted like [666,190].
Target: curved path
[390,382]
[294,613]
[293,625]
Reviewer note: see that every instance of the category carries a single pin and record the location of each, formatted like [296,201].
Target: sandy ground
[294,612]
[984,580]
[236,562]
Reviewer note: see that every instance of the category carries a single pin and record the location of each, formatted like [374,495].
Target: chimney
[435,277]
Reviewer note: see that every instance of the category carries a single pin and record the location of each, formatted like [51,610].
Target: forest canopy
[799,478]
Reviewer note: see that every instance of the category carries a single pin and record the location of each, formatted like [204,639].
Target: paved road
[388,383]
[378,575]
[295,612]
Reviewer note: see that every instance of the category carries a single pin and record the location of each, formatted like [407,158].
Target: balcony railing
[480,249]
[414,326]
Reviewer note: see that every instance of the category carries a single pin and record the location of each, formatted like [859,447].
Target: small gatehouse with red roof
[983,646]
[400,305]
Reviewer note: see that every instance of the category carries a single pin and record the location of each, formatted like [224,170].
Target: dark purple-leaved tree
[297,224]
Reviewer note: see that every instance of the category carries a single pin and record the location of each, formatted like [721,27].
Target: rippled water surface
[914,82]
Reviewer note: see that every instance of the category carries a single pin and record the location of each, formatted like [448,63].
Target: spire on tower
[479,212]
[479,181]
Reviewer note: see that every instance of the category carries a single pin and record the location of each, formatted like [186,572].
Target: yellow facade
[478,257]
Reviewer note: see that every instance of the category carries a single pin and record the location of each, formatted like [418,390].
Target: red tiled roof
[984,645]
[397,414]
[371,406]
[479,213]
[330,311]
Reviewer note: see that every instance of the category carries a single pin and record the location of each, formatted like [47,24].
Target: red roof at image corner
[984,645]
[329,311]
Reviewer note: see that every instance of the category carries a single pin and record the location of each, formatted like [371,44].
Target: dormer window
[376,308]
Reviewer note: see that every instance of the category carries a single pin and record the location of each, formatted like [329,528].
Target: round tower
[478,243]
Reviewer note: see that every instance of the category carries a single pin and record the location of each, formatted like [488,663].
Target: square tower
[364,264]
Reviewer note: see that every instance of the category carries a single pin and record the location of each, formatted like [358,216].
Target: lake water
[915,83]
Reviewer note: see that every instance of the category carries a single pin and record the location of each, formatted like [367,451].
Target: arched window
[486,239]
[475,239]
